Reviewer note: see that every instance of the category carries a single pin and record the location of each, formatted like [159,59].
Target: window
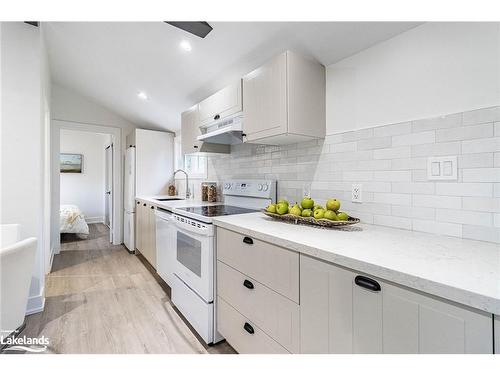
[196,165]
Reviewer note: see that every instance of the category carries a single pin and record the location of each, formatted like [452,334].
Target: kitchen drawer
[276,315]
[273,266]
[231,324]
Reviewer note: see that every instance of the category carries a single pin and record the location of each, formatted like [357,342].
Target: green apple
[317,207]
[319,213]
[342,216]
[282,208]
[306,213]
[331,215]
[271,208]
[333,204]
[307,202]
[284,201]
[295,210]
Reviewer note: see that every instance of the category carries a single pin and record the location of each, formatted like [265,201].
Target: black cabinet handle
[152,207]
[144,204]
[216,117]
[195,146]
[248,284]
[248,240]
[249,328]
[138,202]
[367,283]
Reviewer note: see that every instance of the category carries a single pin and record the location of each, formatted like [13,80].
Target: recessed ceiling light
[142,95]
[185,45]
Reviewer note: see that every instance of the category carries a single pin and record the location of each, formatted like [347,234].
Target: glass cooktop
[218,210]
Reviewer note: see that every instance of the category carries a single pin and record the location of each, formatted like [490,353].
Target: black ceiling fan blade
[199,28]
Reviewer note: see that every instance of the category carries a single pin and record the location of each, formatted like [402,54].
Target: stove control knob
[259,187]
[266,187]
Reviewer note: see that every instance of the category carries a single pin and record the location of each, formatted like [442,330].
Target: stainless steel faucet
[188,193]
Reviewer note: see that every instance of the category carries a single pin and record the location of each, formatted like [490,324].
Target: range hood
[228,131]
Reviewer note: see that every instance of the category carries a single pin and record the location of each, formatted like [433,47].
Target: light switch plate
[357,193]
[442,168]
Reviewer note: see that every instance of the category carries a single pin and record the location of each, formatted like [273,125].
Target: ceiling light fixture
[185,45]
[142,95]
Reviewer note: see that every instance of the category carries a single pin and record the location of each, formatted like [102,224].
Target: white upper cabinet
[190,130]
[223,103]
[343,311]
[284,101]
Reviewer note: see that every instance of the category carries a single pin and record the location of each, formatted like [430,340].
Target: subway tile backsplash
[390,161]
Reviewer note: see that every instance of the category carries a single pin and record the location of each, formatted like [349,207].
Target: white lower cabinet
[497,333]
[275,314]
[346,312]
[244,335]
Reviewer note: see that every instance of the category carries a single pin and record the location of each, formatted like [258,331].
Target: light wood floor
[101,299]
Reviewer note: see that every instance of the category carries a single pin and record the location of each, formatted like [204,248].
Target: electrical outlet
[357,193]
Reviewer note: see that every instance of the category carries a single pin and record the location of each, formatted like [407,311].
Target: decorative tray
[312,221]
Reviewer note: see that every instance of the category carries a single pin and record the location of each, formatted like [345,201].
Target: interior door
[108,190]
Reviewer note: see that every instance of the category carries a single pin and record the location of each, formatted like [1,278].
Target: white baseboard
[95,220]
[36,304]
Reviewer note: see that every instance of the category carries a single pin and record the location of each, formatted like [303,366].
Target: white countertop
[170,205]
[464,271]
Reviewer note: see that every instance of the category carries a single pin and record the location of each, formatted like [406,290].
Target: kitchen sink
[168,199]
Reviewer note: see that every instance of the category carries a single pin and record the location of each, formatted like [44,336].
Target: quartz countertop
[170,205]
[464,271]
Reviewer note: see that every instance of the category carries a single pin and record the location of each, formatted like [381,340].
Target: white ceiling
[110,62]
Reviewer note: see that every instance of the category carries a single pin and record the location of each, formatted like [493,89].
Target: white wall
[22,140]
[434,69]
[86,189]
[68,105]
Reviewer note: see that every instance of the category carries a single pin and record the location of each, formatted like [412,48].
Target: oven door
[194,263]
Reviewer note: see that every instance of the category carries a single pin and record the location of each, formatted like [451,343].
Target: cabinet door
[152,236]
[144,227]
[189,131]
[340,316]
[223,103]
[432,325]
[265,93]
[496,329]
[139,222]
[366,318]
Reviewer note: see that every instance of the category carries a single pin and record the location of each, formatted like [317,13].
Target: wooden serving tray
[312,221]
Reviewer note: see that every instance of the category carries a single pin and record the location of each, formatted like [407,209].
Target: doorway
[111,179]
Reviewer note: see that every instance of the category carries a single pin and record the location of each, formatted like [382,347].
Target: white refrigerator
[149,167]
[129,200]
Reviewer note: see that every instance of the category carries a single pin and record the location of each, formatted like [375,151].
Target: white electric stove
[193,281]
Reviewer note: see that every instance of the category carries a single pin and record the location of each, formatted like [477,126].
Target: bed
[73,221]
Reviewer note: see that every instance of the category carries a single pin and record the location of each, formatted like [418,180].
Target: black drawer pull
[152,207]
[195,146]
[248,240]
[144,204]
[138,202]
[249,328]
[248,284]
[367,283]
[216,117]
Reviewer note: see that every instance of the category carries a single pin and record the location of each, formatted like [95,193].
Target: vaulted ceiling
[111,62]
